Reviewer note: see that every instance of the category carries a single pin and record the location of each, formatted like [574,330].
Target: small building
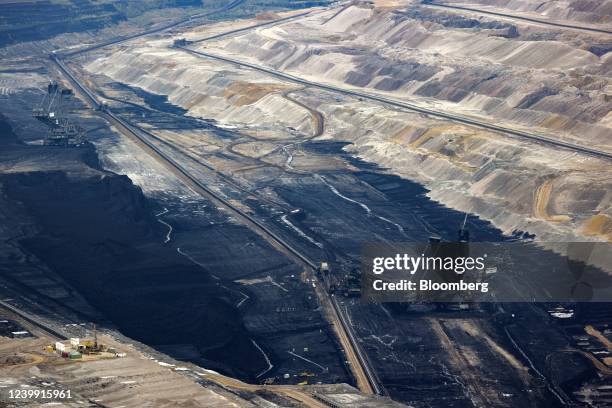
[60,347]
[180,42]
[20,334]
[324,268]
[75,355]
[352,292]
[74,342]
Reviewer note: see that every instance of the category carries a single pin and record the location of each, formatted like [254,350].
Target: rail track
[515,17]
[363,370]
[252,27]
[408,106]
[364,374]
[35,321]
[117,40]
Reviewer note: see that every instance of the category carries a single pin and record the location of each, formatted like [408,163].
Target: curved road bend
[359,365]
[366,381]
[409,106]
[317,118]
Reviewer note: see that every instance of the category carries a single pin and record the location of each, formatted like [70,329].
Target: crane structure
[52,112]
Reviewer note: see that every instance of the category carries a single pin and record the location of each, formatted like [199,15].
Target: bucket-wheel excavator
[52,112]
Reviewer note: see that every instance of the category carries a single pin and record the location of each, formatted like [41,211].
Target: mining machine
[52,111]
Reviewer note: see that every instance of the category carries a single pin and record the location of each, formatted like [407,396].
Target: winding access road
[406,105]
[318,121]
[364,374]
[360,365]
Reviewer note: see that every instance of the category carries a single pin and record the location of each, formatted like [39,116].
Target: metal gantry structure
[52,111]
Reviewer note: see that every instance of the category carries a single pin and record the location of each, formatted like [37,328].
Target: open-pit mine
[187,188]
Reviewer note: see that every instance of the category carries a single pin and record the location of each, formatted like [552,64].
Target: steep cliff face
[96,230]
[441,61]
[109,208]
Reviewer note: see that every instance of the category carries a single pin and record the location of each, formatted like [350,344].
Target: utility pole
[95,337]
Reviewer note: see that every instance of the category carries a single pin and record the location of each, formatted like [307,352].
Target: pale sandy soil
[554,87]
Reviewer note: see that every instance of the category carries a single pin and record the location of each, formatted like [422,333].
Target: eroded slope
[521,76]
